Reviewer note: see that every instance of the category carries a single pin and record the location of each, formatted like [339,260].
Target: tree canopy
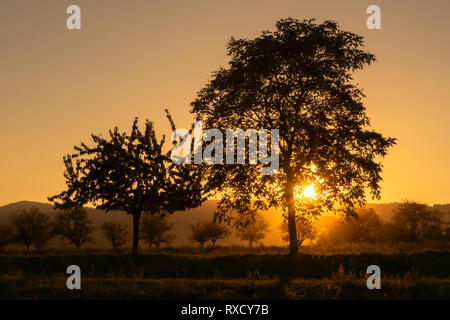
[73,225]
[298,79]
[204,231]
[116,233]
[31,227]
[155,230]
[129,172]
[414,221]
[254,231]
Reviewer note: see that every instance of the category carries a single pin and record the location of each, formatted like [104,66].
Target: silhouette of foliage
[129,173]
[199,233]
[73,225]
[298,79]
[31,227]
[216,232]
[204,231]
[6,236]
[305,229]
[155,230]
[116,233]
[414,222]
[367,227]
[254,231]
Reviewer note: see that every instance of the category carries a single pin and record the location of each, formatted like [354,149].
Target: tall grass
[230,273]
[46,287]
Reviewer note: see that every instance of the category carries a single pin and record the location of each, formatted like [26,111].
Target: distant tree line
[33,229]
[412,222]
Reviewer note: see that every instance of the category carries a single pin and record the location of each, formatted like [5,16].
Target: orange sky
[135,58]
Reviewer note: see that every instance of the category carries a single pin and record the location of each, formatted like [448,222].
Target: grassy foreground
[19,287]
[420,275]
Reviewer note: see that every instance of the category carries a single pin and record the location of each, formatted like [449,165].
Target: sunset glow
[56,82]
[305,193]
[224,159]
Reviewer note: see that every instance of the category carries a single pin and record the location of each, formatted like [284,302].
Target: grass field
[37,287]
[227,274]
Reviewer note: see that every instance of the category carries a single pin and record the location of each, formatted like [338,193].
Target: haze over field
[183,219]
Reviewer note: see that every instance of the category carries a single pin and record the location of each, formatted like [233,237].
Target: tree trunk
[136,217]
[293,243]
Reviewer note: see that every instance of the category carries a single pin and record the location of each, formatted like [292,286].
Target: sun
[306,193]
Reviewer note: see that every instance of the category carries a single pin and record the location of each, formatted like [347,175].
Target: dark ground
[218,275]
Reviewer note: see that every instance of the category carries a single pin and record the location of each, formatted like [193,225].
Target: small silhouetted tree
[155,230]
[199,233]
[297,79]
[31,227]
[116,233]
[73,225]
[204,231]
[367,227]
[6,236]
[216,232]
[129,172]
[305,228]
[414,222]
[253,231]
[446,231]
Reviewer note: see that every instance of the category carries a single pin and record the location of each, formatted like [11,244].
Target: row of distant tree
[34,229]
[412,222]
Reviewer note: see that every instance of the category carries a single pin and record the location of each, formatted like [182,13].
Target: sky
[138,57]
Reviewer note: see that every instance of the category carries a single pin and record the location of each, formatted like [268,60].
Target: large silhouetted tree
[298,79]
[129,172]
